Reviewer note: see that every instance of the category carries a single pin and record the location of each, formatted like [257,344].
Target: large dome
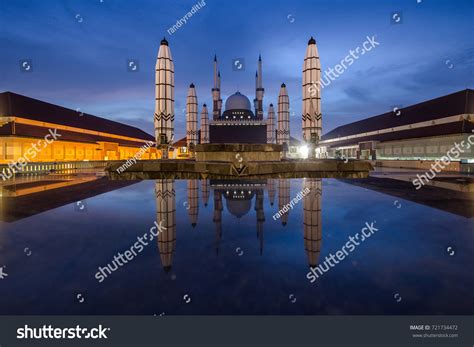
[237,101]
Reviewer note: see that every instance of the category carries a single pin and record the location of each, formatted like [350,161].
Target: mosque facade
[239,121]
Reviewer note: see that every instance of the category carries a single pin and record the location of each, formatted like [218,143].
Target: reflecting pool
[232,247]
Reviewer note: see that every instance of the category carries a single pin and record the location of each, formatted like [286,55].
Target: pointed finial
[191,85]
[283,85]
[204,105]
[271,105]
[256,73]
[259,57]
[215,57]
[311,41]
[219,73]
[164,42]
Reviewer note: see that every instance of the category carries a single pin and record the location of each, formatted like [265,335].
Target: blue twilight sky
[79,50]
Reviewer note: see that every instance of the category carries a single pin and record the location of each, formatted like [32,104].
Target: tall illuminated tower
[164,99]
[191,117]
[312,117]
[204,124]
[283,131]
[271,125]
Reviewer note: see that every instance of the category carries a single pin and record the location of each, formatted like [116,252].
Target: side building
[82,137]
[410,137]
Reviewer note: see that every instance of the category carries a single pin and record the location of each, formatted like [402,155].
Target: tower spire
[271,124]
[215,71]
[311,108]
[191,118]
[164,103]
[204,125]
[216,92]
[283,132]
[259,91]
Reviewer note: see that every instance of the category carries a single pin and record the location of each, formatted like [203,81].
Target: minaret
[219,102]
[193,201]
[312,231]
[312,117]
[284,198]
[216,92]
[283,132]
[260,90]
[191,117]
[255,103]
[164,99]
[166,216]
[271,125]
[204,125]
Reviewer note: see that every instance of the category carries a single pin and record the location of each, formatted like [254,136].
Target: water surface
[223,252]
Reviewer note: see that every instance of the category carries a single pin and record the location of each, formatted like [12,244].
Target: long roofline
[342,129]
[92,122]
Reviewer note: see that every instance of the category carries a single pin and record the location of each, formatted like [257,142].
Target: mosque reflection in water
[238,198]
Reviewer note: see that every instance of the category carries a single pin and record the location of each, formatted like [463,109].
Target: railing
[48,167]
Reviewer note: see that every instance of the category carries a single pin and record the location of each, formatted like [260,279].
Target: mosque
[240,121]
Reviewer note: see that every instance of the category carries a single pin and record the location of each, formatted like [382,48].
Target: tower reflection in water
[193,201]
[166,214]
[238,196]
[312,231]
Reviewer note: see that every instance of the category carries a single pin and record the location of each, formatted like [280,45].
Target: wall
[14,148]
